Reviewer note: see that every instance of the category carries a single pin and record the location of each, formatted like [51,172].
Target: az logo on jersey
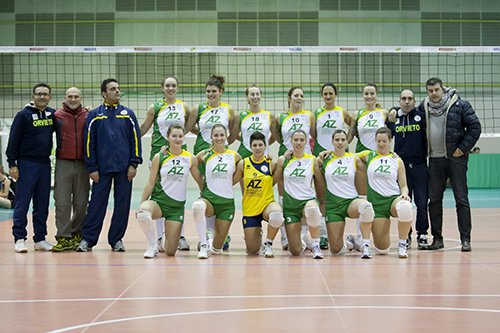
[340,171]
[221,167]
[213,119]
[298,173]
[255,127]
[383,168]
[172,115]
[176,170]
[371,123]
[254,183]
[329,124]
[295,127]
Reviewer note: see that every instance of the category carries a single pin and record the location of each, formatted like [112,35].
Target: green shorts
[381,204]
[293,209]
[171,209]
[337,211]
[223,207]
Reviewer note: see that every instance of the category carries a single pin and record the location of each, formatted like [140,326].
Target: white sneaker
[402,253]
[20,246]
[152,251]
[268,250]
[43,246]
[317,253]
[284,242]
[161,243]
[183,244]
[366,252]
[215,251]
[203,254]
[305,240]
[355,242]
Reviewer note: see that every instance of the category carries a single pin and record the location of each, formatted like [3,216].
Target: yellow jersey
[258,181]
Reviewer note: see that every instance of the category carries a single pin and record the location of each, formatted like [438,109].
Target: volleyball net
[473,71]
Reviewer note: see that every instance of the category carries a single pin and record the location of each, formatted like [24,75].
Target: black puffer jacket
[462,126]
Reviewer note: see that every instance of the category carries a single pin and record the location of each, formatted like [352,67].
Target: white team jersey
[382,174]
[339,175]
[170,114]
[211,116]
[255,122]
[174,173]
[297,177]
[368,124]
[219,170]
[295,121]
[327,122]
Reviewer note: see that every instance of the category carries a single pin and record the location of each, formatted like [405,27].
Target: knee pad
[366,212]
[313,216]
[276,219]
[199,209]
[381,252]
[145,220]
[405,211]
[341,252]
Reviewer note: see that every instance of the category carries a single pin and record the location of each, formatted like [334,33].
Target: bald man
[72,185]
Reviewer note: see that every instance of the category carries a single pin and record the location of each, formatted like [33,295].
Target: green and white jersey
[289,123]
[367,124]
[382,174]
[173,176]
[207,118]
[166,114]
[219,170]
[339,175]
[253,122]
[327,122]
[297,179]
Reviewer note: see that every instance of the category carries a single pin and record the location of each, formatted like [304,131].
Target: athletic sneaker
[183,244]
[215,251]
[203,254]
[76,241]
[323,243]
[161,243]
[317,253]
[63,245]
[305,240]
[210,239]
[366,252]
[408,242]
[152,251]
[402,253]
[43,246]
[268,250]
[118,247]
[20,246]
[284,242]
[422,242]
[355,242]
[83,246]
[226,242]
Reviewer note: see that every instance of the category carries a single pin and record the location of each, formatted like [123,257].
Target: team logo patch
[34,116]
[48,113]
[397,121]
[264,168]
[124,112]
[418,118]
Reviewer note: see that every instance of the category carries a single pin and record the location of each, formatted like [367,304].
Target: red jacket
[70,132]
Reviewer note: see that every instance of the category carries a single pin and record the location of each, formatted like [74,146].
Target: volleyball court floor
[103,291]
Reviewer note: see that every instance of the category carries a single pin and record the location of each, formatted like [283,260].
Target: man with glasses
[28,152]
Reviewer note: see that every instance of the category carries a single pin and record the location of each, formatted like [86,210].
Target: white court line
[238,297]
[66,329]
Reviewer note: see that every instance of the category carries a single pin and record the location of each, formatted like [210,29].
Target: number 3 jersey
[339,176]
[297,179]
[173,176]
[219,170]
[258,180]
[207,118]
[382,174]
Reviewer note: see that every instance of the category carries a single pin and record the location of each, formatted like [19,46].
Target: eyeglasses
[42,94]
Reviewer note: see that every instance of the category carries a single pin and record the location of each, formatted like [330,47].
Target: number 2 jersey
[207,118]
[258,180]
[170,188]
[382,176]
[219,169]
[297,180]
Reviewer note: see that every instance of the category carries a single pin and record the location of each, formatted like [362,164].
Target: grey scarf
[437,109]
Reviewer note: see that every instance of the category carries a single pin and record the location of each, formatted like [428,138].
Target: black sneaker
[436,244]
[422,242]
[63,244]
[466,247]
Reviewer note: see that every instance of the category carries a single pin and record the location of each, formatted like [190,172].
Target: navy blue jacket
[112,139]
[31,136]
[409,136]
[463,129]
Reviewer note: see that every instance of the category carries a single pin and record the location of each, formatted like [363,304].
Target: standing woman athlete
[161,115]
[299,198]
[165,192]
[219,165]
[342,200]
[258,198]
[388,193]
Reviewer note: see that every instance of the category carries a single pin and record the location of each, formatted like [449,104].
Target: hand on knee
[276,219]
[145,220]
[199,209]
[405,211]
[366,212]
[313,216]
